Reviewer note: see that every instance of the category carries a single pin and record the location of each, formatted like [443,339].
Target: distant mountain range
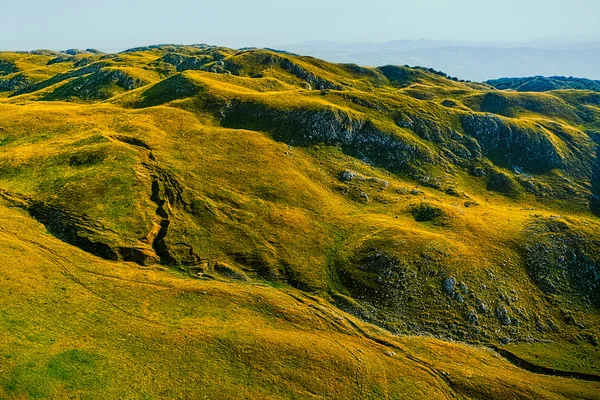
[469,60]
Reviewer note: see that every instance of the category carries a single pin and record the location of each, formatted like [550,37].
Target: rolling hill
[198,221]
[545,84]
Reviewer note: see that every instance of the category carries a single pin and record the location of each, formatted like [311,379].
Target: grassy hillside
[189,221]
[544,84]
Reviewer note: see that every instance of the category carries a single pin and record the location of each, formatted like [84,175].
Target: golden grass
[148,332]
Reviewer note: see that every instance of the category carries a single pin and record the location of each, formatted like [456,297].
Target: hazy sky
[118,24]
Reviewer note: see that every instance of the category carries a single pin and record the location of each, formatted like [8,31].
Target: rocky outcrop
[502,315]
[61,59]
[456,148]
[167,193]
[305,126]
[502,183]
[96,86]
[313,80]
[171,48]
[378,277]
[180,62]
[120,78]
[560,259]
[15,83]
[239,66]
[74,52]
[74,229]
[595,196]
[80,231]
[510,146]
[95,67]
[7,67]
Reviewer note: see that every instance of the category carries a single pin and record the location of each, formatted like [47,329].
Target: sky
[111,25]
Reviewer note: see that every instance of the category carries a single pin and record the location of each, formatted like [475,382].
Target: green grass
[581,357]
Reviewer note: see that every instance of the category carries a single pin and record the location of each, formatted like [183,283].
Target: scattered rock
[472,317]
[502,315]
[449,286]
[502,183]
[562,259]
[384,184]
[507,143]
[347,175]
[478,172]
[481,307]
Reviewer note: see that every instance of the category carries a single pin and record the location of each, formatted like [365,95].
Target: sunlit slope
[75,325]
[414,202]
